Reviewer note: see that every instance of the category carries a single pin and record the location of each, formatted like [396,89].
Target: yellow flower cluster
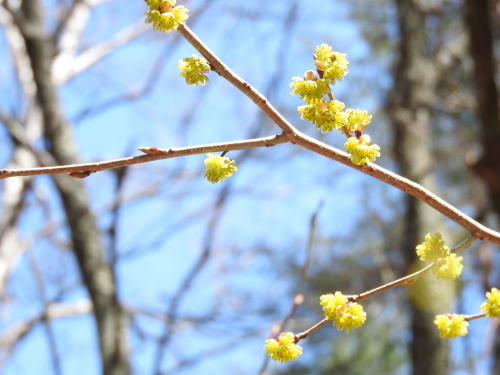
[455,325]
[283,348]
[217,168]
[164,15]
[344,314]
[310,88]
[193,70]
[333,64]
[361,151]
[328,114]
[491,307]
[357,119]
[432,248]
[449,266]
[451,325]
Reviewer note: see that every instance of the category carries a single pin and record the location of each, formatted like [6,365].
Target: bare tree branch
[209,353]
[152,153]
[51,339]
[19,56]
[72,23]
[298,297]
[66,67]
[11,337]
[189,279]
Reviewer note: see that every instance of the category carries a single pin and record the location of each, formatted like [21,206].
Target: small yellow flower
[432,248]
[323,53]
[326,116]
[333,64]
[449,268]
[491,307]
[193,70]
[361,153]
[164,15]
[217,168]
[331,302]
[349,316]
[310,90]
[344,314]
[451,325]
[283,349]
[357,119]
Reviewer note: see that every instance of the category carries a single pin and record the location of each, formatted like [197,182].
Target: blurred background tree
[152,270]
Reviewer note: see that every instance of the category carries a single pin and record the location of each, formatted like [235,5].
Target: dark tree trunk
[96,273]
[411,121]
[481,43]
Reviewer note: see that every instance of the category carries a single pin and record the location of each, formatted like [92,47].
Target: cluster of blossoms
[360,149]
[343,314]
[448,266]
[333,64]
[455,325]
[283,348]
[491,307]
[451,325]
[193,70]
[164,15]
[217,168]
[328,115]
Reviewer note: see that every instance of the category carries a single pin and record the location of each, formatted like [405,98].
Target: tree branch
[298,298]
[189,279]
[294,136]
[152,153]
[66,67]
[53,311]
[477,229]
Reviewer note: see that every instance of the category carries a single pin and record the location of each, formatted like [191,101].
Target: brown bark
[481,43]
[411,120]
[97,275]
[479,24]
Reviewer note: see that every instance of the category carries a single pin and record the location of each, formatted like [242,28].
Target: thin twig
[468,318]
[409,278]
[51,339]
[307,332]
[464,245]
[16,332]
[401,281]
[218,350]
[158,154]
[298,298]
[187,282]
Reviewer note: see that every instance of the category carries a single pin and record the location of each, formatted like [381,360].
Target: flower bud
[310,75]
[165,6]
[365,140]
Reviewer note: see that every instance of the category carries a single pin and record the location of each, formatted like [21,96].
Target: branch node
[80,174]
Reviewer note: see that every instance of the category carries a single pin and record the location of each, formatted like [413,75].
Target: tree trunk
[481,43]
[96,272]
[411,120]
